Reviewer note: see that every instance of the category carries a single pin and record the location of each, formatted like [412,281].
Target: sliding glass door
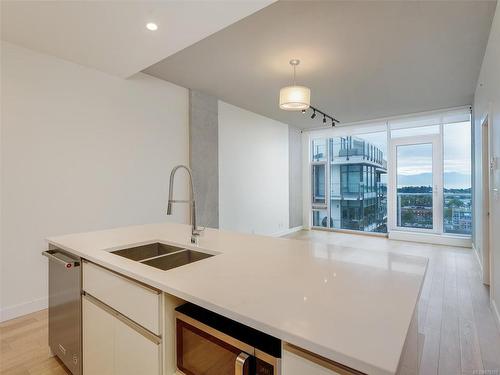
[417,183]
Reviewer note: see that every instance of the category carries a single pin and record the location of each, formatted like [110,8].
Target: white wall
[81,150]
[253,172]
[487,101]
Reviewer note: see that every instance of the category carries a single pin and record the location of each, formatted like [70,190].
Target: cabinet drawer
[297,361]
[136,301]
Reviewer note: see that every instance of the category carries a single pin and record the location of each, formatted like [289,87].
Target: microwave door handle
[239,364]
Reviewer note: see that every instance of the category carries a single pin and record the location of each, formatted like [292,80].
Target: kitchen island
[355,308]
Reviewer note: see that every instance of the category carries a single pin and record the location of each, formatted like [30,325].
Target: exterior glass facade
[357,191]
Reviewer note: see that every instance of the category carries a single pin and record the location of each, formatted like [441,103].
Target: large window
[457,214]
[430,175]
[355,174]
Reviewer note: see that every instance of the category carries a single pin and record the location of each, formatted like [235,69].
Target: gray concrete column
[295,176]
[204,155]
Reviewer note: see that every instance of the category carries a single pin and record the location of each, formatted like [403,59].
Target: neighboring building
[462,219]
[357,191]
[458,211]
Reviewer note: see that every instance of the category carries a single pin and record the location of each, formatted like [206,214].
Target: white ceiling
[361,59]
[111,35]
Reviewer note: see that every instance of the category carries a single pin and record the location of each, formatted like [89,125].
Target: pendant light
[295,98]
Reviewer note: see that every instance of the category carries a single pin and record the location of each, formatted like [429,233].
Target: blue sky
[416,160]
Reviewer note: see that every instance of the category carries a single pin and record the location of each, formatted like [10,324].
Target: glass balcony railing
[348,147]
[381,188]
[358,189]
[415,210]
[359,154]
[351,152]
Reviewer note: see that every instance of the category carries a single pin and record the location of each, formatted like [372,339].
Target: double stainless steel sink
[162,256]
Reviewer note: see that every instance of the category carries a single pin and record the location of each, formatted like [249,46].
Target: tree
[407,217]
[454,202]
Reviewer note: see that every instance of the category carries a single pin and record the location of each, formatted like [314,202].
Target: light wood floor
[24,349]
[454,315]
[460,334]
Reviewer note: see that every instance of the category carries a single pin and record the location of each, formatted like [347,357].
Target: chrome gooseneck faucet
[195,231]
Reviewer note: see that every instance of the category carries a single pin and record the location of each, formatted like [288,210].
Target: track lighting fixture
[326,116]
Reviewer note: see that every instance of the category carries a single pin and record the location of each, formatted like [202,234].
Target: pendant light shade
[295,98]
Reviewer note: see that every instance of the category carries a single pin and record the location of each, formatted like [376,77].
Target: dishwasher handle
[61,258]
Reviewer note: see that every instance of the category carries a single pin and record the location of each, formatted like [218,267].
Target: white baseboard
[436,239]
[11,312]
[287,231]
[496,314]
[478,258]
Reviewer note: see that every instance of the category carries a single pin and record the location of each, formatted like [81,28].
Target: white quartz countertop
[350,305]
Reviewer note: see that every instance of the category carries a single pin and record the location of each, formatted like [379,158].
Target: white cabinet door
[134,353]
[114,345]
[98,340]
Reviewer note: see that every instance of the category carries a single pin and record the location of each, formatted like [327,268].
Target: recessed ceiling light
[152,26]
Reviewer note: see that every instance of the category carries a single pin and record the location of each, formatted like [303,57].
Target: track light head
[316,111]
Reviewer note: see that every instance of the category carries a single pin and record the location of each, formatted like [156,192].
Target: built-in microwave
[210,344]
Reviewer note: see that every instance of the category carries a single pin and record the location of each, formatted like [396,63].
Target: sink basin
[164,257]
[181,258]
[147,251]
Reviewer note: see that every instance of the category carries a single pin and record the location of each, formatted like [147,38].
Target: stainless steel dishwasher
[65,308]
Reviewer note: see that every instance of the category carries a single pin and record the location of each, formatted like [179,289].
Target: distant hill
[452,180]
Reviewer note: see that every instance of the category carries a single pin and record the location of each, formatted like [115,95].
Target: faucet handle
[198,231]
[196,234]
